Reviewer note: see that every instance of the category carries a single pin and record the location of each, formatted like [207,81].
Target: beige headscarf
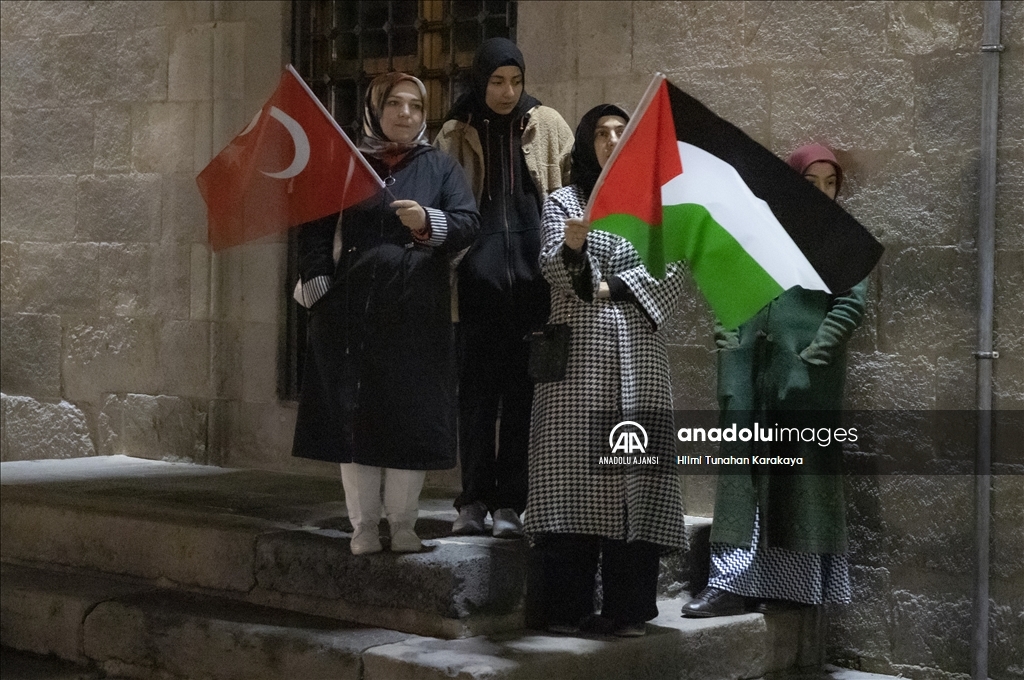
[374,141]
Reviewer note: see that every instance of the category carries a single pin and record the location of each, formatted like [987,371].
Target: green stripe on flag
[646,239]
[735,285]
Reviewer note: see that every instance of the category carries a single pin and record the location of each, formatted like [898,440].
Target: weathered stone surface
[162,137]
[888,382]
[932,630]
[153,545]
[931,288]
[1010,195]
[818,33]
[38,208]
[1007,526]
[189,66]
[25,77]
[863,108]
[693,378]
[262,280]
[57,141]
[156,427]
[259,361]
[110,354]
[184,358]
[199,282]
[922,28]
[543,27]
[947,101]
[30,349]
[84,71]
[43,612]
[266,34]
[183,210]
[35,429]
[120,208]
[916,511]
[229,60]
[740,95]
[10,277]
[113,137]
[141,65]
[191,637]
[605,35]
[683,34]
[862,630]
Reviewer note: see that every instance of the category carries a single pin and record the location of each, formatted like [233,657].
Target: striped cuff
[437,222]
[314,289]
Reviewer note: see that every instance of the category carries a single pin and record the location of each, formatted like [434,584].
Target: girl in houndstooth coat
[579,510]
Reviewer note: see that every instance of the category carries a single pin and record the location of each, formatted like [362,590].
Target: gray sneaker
[506,523]
[470,520]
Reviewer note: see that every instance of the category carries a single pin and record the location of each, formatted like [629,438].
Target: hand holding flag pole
[684,185]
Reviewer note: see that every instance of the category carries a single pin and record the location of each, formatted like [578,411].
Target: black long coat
[379,379]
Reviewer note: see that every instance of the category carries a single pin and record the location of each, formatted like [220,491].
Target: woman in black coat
[378,391]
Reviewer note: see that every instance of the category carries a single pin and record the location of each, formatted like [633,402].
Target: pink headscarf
[808,154]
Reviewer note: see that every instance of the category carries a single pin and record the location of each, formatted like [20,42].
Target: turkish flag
[293,163]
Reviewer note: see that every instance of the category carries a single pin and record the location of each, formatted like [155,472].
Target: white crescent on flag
[301,145]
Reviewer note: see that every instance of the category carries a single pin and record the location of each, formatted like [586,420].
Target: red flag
[293,163]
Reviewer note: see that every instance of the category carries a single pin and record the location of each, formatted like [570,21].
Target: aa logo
[628,437]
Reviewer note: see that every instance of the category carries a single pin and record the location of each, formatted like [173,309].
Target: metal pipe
[990,50]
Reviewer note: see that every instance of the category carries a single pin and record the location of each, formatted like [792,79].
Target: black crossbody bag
[549,353]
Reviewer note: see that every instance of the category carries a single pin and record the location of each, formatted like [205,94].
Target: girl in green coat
[780,539]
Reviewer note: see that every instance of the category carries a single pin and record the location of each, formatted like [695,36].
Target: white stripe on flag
[711,182]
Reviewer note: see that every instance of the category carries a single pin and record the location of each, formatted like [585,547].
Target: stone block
[10,277]
[266,34]
[1009,301]
[931,630]
[110,354]
[1010,194]
[155,427]
[43,612]
[441,591]
[862,107]
[199,283]
[128,537]
[170,279]
[200,637]
[229,60]
[549,38]
[35,430]
[813,33]
[889,382]
[1007,527]
[863,629]
[82,73]
[669,36]
[259,362]
[162,137]
[30,355]
[928,287]
[1006,630]
[118,208]
[947,96]
[910,198]
[692,323]
[694,378]
[183,209]
[920,515]
[956,383]
[262,281]
[38,208]
[605,38]
[125,285]
[260,435]
[922,28]
[141,65]
[190,67]
[184,358]
[56,141]
[59,278]
[26,78]
[113,137]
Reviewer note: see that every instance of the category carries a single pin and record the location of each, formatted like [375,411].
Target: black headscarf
[492,55]
[585,168]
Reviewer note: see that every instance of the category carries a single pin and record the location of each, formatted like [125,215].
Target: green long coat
[790,357]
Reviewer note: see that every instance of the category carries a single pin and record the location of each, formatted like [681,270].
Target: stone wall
[121,332]
[894,87]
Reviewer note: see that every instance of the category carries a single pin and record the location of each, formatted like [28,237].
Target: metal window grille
[339,46]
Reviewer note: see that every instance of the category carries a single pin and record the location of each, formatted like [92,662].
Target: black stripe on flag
[839,248]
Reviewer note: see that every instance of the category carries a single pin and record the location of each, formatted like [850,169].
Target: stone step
[129,628]
[268,539]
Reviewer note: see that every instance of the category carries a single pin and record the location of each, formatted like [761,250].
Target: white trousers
[401,495]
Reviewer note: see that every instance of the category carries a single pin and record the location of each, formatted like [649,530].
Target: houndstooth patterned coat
[617,370]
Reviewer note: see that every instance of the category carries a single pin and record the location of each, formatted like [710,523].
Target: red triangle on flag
[292,164]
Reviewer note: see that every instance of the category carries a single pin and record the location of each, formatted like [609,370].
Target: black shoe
[714,602]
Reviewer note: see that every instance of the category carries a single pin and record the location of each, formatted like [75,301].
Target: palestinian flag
[686,185]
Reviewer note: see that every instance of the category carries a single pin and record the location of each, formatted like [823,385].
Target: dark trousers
[494,387]
[564,591]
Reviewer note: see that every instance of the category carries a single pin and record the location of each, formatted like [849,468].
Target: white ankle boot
[401,505]
[366,539]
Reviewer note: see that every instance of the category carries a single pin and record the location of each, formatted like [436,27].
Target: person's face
[504,88]
[403,113]
[822,174]
[606,135]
